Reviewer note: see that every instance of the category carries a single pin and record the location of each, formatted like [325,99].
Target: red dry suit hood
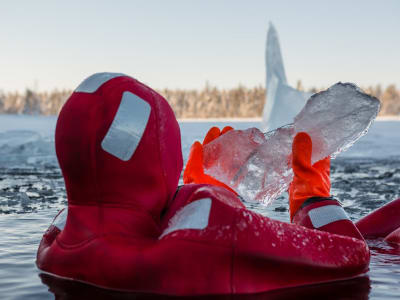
[119,148]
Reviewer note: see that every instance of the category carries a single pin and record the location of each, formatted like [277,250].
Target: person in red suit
[310,189]
[310,202]
[129,227]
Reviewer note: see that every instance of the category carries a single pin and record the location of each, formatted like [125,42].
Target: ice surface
[283,102]
[259,168]
[27,141]
[25,147]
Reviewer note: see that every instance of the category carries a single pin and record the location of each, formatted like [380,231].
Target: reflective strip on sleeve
[93,82]
[128,127]
[324,215]
[195,215]
[61,219]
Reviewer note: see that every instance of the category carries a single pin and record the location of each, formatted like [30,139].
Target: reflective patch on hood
[195,215]
[61,219]
[93,82]
[128,127]
[325,215]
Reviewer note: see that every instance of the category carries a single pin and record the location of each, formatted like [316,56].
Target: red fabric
[393,237]
[342,227]
[117,211]
[239,252]
[93,176]
[381,222]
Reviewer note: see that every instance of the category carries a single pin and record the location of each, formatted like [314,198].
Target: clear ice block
[258,166]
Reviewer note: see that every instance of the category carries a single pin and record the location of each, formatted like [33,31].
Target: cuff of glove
[316,200]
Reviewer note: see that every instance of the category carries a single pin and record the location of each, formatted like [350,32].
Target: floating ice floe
[24,147]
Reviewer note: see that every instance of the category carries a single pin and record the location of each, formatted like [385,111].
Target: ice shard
[336,118]
[283,102]
[258,166]
[273,57]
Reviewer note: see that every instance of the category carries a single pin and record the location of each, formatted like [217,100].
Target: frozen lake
[32,191]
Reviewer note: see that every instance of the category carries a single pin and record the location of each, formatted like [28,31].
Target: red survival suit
[127,227]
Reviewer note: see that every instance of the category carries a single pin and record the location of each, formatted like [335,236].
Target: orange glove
[308,181]
[194,170]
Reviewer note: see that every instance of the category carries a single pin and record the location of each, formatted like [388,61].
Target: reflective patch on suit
[92,83]
[195,215]
[128,127]
[325,215]
[61,219]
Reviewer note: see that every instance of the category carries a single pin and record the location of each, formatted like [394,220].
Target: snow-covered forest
[210,102]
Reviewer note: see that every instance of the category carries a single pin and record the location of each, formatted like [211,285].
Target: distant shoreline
[193,120]
[217,104]
[183,120]
[219,120]
[388,118]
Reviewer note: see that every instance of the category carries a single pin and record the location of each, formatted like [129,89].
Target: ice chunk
[250,162]
[336,119]
[267,173]
[226,161]
[282,102]
[273,56]
[25,147]
[259,168]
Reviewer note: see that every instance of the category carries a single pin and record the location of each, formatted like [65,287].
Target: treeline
[210,102]
[31,103]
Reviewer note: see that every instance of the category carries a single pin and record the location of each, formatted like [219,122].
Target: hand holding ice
[259,168]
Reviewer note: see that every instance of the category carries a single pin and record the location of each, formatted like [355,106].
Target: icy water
[32,191]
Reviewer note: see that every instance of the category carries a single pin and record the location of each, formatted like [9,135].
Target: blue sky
[182,44]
